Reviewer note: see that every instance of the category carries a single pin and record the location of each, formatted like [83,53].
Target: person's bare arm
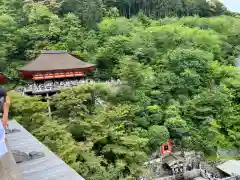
[6,111]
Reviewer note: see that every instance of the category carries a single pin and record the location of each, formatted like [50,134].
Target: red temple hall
[54,65]
[3,78]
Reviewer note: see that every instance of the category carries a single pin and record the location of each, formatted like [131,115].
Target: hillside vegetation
[180,74]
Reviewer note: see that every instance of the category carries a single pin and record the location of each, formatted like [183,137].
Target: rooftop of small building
[231,167]
[49,167]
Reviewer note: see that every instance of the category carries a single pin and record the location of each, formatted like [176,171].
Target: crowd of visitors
[55,85]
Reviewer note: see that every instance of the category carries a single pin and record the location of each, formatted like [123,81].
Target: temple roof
[48,167]
[55,60]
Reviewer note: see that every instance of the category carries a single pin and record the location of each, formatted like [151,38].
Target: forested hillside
[92,11]
[180,73]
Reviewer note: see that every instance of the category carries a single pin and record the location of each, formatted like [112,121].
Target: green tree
[135,73]
[158,135]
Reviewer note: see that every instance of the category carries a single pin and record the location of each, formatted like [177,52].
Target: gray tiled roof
[50,167]
[231,167]
[53,61]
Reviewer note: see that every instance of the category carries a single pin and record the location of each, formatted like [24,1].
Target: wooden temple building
[54,66]
[22,156]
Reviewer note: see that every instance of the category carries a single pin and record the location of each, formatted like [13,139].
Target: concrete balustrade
[55,85]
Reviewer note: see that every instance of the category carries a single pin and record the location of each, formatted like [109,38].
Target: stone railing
[9,170]
[51,86]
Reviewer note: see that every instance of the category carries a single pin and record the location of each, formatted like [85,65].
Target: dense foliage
[180,73]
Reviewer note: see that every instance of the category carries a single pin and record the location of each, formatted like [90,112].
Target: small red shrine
[53,65]
[3,78]
[166,148]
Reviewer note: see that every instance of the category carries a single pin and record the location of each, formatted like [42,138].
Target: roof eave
[68,69]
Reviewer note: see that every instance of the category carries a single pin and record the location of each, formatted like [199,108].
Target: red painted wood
[3,79]
[55,74]
[169,146]
[49,75]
